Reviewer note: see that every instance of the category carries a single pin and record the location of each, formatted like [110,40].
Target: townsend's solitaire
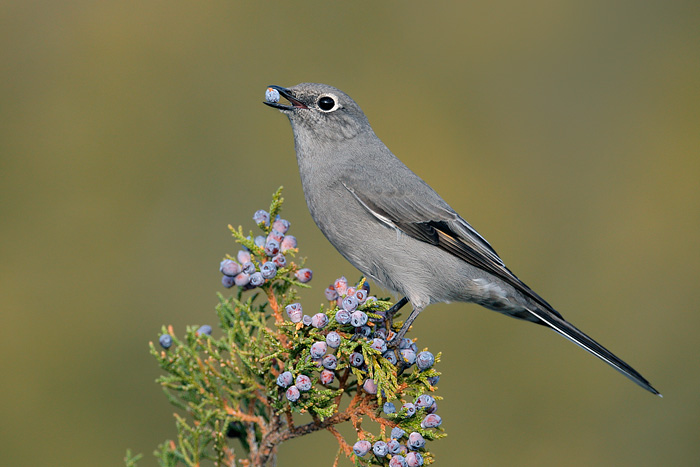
[397,230]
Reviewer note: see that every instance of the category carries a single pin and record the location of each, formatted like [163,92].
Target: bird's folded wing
[433,221]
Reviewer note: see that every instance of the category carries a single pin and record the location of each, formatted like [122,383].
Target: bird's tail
[576,336]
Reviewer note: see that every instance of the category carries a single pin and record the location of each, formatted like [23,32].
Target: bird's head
[321,111]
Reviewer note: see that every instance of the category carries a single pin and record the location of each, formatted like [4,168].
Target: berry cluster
[264,256]
[303,363]
[350,339]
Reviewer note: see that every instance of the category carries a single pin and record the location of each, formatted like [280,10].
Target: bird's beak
[289,95]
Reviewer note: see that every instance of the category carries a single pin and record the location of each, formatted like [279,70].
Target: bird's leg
[407,324]
[394,309]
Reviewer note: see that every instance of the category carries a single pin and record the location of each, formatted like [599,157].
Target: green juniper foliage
[233,387]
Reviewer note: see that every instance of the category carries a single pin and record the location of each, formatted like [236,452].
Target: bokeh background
[567,132]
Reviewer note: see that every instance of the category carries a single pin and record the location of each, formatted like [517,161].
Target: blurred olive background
[567,132]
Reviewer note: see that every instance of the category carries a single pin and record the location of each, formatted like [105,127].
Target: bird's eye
[326,103]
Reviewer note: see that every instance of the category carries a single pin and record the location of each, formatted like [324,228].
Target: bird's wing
[433,221]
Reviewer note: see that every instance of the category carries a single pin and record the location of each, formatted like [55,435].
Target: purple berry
[280,260]
[415,441]
[341,285]
[409,409]
[356,359]
[281,225]
[393,446]
[380,334]
[391,356]
[370,386]
[275,235]
[405,343]
[243,256]
[425,360]
[361,296]
[292,394]
[257,279]
[424,401]
[228,281]
[432,408]
[414,459]
[330,293]
[326,377]
[261,217]
[242,279]
[268,270]
[389,408]
[304,275]
[398,461]
[303,382]
[397,433]
[165,341]
[285,379]
[379,345]
[272,247]
[431,421]
[288,243]
[364,331]
[408,356]
[333,339]
[294,312]
[362,447]
[380,449]
[319,320]
[204,329]
[358,318]
[330,362]
[342,317]
[248,267]
[260,241]
[350,303]
[433,380]
[318,349]
[306,320]
[230,268]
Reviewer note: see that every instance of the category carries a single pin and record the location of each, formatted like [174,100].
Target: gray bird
[395,228]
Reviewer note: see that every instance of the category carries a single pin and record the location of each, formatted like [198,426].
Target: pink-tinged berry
[281,225]
[304,275]
[431,421]
[294,311]
[415,441]
[326,377]
[362,447]
[285,379]
[292,394]
[318,349]
[319,320]
[341,285]
[370,386]
[330,293]
[272,247]
[303,382]
[243,256]
[242,279]
[288,243]
[398,461]
[414,459]
[280,260]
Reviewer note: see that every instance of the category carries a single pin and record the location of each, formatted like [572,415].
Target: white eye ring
[324,100]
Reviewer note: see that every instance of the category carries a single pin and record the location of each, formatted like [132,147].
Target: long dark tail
[576,336]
